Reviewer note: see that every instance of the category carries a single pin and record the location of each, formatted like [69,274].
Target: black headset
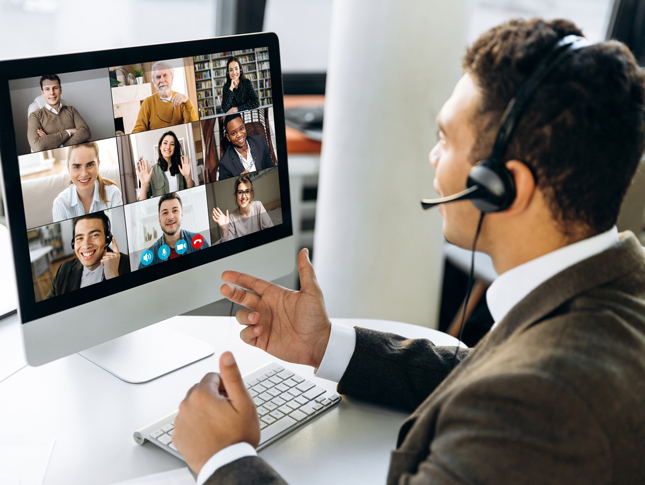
[106,223]
[490,186]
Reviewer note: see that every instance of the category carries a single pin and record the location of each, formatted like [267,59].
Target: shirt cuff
[224,457]
[342,342]
[68,132]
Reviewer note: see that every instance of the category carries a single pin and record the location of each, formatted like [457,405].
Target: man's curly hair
[583,132]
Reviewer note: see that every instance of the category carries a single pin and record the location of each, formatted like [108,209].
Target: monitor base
[148,353]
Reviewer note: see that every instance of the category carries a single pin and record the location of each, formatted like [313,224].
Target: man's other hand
[178,99]
[42,133]
[290,325]
[216,413]
[72,130]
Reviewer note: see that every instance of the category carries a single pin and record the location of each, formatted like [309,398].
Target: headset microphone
[469,193]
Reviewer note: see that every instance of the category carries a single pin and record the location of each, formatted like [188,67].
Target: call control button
[181,246]
[164,252]
[146,257]
[198,241]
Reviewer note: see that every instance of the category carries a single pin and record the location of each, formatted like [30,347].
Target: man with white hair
[164,108]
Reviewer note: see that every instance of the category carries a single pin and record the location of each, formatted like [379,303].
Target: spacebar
[276,428]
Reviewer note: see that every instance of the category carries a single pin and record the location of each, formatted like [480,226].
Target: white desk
[92,415]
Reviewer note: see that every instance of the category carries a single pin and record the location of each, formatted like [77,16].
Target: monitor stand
[148,353]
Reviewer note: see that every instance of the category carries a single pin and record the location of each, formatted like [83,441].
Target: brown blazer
[555,394]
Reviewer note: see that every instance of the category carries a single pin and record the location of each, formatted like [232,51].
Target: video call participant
[553,394]
[245,154]
[171,214]
[238,93]
[95,261]
[250,215]
[171,172]
[164,108]
[55,125]
[88,191]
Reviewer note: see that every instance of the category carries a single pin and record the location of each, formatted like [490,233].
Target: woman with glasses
[170,174]
[250,215]
[238,93]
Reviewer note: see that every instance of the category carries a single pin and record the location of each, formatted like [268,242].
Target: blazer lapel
[235,161]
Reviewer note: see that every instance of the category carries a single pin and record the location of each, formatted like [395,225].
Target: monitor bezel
[31,310]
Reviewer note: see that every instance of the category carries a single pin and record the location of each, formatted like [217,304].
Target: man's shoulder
[259,139]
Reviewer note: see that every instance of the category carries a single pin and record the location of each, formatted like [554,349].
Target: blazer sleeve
[265,159]
[395,371]
[250,469]
[222,169]
[521,427]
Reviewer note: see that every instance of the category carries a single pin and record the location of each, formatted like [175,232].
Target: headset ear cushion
[497,184]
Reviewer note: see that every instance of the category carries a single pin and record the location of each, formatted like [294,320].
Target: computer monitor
[133,178]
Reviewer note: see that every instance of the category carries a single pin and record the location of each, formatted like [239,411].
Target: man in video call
[166,107]
[95,261]
[554,392]
[246,153]
[55,125]
[171,214]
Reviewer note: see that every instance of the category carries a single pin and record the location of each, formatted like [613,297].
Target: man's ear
[525,185]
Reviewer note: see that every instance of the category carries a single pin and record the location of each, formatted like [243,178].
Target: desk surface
[92,414]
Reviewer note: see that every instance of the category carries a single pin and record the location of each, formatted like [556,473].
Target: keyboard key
[286,396]
[334,398]
[252,383]
[285,374]
[321,399]
[298,415]
[172,445]
[275,380]
[274,392]
[171,432]
[282,388]
[285,409]
[273,431]
[298,379]
[308,409]
[293,404]
[263,425]
[278,401]
[258,401]
[262,411]
[259,388]
[262,377]
[271,374]
[325,402]
[167,428]
[268,419]
[315,392]
[317,406]
[305,386]
[276,414]
[156,434]
[278,369]
[165,439]
[301,400]
[265,396]
[290,383]
[253,393]
[270,406]
[294,392]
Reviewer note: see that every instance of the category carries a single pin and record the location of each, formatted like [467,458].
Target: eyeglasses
[244,192]
[171,115]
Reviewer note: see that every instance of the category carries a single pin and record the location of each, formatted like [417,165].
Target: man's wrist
[321,347]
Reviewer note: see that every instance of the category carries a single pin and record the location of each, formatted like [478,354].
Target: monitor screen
[128,166]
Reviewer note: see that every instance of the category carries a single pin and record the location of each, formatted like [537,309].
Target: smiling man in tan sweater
[55,124]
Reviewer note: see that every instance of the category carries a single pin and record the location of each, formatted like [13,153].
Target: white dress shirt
[91,277]
[248,162]
[506,291]
[68,205]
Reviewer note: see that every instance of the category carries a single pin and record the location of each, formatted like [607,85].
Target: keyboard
[284,400]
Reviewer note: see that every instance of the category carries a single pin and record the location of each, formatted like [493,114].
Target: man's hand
[42,133]
[178,99]
[110,262]
[72,130]
[216,413]
[290,325]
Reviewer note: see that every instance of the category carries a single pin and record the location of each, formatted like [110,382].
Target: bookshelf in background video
[210,75]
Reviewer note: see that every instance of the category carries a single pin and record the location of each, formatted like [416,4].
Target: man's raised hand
[290,325]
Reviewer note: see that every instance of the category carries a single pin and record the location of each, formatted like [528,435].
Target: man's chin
[168,233]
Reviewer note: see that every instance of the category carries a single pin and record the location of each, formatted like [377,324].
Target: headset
[490,186]
[106,223]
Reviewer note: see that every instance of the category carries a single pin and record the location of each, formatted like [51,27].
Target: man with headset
[554,393]
[95,261]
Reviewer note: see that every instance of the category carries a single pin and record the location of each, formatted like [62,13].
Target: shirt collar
[168,99]
[74,200]
[54,110]
[514,285]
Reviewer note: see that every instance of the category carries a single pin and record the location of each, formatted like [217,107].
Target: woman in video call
[250,215]
[238,93]
[170,174]
[87,192]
